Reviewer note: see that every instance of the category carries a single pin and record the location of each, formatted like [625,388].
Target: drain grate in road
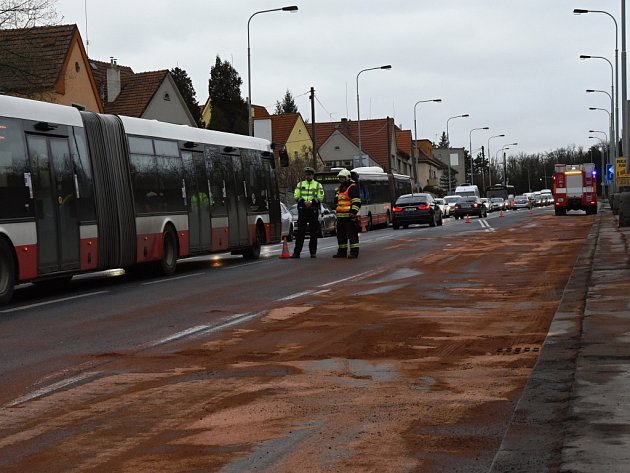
[517,350]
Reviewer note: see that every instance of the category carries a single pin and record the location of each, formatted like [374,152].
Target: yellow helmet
[344,173]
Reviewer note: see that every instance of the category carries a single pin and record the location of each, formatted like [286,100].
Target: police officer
[348,203]
[308,195]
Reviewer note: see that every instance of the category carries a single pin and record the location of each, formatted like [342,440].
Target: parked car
[416,208]
[497,203]
[470,206]
[327,220]
[287,222]
[444,207]
[451,200]
[486,203]
[522,202]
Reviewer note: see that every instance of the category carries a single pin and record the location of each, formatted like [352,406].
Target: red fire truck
[575,188]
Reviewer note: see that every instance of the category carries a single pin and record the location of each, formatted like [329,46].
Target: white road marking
[63,299]
[54,387]
[345,279]
[295,296]
[160,281]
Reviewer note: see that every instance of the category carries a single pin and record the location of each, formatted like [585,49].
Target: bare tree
[28,13]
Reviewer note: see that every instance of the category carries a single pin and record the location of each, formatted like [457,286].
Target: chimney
[343,125]
[113,80]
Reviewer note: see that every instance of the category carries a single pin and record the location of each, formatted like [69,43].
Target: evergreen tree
[184,84]
[287,105]
[444,144]
[444,180]
[229,110]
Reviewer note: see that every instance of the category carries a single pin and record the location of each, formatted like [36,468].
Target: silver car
[287,222]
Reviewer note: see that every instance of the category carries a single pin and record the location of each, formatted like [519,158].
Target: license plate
[409,209]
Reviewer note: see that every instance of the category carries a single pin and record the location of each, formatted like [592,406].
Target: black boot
[339,255]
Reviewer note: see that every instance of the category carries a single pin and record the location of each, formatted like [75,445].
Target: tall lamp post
[470,148]
[603,160]
[615,138]
[250,121]
[448,140]
[415,146]
[611,145]
[611,95]
[508,146]
[388,66]
[490,157]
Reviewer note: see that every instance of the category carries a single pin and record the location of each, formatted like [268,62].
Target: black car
[469,206]
[327,220]
[416,208]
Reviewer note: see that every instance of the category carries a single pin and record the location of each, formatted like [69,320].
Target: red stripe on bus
[184,240]
[220,238]
[27,262]
[149,248]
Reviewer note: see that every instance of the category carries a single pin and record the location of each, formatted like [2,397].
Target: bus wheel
[7,272]
[253,252]
[168,262]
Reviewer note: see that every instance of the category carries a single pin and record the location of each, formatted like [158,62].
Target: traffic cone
[467,218]
[285,249]
[531,211]
[501,214]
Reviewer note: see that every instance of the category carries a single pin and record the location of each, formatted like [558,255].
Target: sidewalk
[574,414]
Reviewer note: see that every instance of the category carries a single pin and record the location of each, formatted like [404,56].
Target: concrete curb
[535,437]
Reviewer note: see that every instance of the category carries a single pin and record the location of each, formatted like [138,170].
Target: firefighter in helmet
[348,202]
[308,194]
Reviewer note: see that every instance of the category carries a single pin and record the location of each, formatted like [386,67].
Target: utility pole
[314,133]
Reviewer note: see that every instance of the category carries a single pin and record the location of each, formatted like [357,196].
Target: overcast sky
[513,65]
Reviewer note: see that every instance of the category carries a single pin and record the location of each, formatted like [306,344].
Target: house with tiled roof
[384,144]
[150,95]
[48,63]
[430,167]
[287,130]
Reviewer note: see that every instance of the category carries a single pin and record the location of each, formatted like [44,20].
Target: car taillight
[423,207]
[457,206]
[397,209]
[475,205]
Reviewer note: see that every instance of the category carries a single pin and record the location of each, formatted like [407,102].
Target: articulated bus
[378,190]
[82,191]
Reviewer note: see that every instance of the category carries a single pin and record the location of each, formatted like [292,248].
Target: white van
[467,190]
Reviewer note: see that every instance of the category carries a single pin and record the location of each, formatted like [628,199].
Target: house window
[77,66]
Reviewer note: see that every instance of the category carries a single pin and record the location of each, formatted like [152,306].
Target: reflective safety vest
[345,204]
[309,190]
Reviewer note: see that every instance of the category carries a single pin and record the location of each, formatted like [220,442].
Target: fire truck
[575,188]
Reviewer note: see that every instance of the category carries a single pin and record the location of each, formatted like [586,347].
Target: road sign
[610,173]
[622,178]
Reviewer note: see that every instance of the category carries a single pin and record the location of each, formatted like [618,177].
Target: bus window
[216,173]
[83,170]
[170,173]
[14,194]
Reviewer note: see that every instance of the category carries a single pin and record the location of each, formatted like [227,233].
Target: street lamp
[611,95]
[579,11]
[470,148]
[603,170]
[489,157]
[250,121]
[448,140]
[611,145]
[415,131]
[508,146]
[388,66]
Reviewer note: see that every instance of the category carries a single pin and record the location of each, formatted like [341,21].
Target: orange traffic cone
[501,214]
[531,210]
[285,249]
[467,218]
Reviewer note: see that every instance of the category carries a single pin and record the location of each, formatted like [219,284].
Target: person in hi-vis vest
[308,195]
[348,202]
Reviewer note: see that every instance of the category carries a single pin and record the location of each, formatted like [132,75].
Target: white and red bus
[81,191]
[378,190]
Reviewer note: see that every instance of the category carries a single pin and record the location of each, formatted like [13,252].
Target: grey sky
[513,65]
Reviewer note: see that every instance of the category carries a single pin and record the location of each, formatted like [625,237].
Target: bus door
[55,204]
[237,201]
[198,200]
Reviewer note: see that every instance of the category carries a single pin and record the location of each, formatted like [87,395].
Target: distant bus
[500,190]
[82,191]
[378,190]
